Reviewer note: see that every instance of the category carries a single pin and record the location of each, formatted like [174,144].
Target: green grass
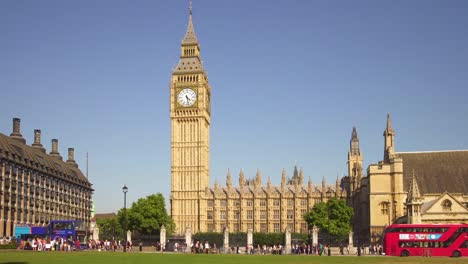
[121,258]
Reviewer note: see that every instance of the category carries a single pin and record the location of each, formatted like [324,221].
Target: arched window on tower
[447,205]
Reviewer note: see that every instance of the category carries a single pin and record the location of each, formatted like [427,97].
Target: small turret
[389,146]
[258,178]
[310,186]
[241,179]
[324,187]
[216,185]
[338,187]
[228,180]
[414,202]
[283,179]
[301,177]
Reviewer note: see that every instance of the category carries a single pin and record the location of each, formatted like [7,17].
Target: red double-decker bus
[426,240]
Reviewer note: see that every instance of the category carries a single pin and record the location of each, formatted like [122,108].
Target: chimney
[71,157]
[54,151]
[37,140]
[16,131]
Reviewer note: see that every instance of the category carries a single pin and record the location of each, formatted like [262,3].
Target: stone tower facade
[385,186]
[354,162]
[190,135]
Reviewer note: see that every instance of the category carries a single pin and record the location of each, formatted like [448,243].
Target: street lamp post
[125,190]
[328,209]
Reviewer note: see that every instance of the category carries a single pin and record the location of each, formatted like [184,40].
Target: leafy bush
[268,239]
[239,238]
[8,246]
[211,237]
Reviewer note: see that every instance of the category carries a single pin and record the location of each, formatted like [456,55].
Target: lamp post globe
[125,190]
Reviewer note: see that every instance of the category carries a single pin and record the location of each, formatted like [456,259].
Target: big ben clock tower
[190,135]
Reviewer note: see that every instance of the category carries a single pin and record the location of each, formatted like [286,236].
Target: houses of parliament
[415,187]
[250,204]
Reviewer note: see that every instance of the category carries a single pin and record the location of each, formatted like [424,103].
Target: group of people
[109,245]
[43,244]
[6,240]
[202,247]
[61,244]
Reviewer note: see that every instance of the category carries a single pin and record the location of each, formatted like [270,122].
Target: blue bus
[68,229]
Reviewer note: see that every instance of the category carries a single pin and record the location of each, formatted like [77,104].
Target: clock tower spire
[190,135]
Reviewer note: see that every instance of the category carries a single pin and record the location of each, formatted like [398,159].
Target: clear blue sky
[289,81]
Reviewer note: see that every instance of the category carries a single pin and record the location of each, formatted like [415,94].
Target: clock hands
[188,99]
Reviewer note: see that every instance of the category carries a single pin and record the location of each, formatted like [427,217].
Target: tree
[148,215]
[334,217]
[109,228]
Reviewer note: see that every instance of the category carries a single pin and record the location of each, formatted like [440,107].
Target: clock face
[187,97]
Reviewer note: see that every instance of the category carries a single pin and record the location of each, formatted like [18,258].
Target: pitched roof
[11,149]
[437,171]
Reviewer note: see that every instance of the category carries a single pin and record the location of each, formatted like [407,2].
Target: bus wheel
[405,253]
[456,254]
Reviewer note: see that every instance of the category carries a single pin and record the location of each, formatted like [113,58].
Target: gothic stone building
[406,187]
[36,187]
[193,204]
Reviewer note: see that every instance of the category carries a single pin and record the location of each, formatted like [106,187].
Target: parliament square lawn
[95,257]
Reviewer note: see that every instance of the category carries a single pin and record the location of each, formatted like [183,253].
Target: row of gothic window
[249,203]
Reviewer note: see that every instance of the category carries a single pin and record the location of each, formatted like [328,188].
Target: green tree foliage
[109,228]
[334,217]
[147,216]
